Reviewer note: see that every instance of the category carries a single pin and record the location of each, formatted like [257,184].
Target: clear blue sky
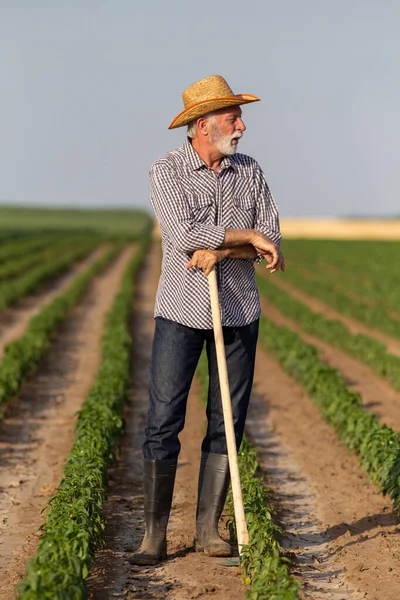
[89,87]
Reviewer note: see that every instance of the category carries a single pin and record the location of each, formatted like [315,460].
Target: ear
[202,126]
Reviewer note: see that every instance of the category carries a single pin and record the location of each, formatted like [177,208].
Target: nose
[240,125]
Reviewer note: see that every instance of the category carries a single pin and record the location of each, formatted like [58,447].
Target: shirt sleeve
[175,216]
[267,217]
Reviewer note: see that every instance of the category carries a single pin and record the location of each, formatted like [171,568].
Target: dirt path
[14,320]
[185,575]
[393,344]
[339,526]
[377,395]
[37,434]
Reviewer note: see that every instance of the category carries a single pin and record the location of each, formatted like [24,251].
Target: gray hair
[191,128]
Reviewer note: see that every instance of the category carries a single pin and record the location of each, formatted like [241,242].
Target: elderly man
[214,208]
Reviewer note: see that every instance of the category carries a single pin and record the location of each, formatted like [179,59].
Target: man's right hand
[269,250]
[206,259]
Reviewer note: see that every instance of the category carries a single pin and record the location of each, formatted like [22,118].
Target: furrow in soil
[37,433]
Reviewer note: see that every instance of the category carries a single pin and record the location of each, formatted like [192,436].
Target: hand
[270,251]
[205,260]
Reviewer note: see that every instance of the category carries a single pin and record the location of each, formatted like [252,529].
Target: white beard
[224,142]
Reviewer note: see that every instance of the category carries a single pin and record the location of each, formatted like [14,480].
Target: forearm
[245,252]
[238,237]
[250,244]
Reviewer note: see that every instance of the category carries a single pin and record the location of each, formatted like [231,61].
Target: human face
[226,129]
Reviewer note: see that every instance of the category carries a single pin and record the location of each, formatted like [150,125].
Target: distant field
[130,222]
[350,229]
[125,222]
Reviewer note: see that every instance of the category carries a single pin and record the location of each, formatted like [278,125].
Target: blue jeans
[175,353]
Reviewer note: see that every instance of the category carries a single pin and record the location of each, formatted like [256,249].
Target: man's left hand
[205,260]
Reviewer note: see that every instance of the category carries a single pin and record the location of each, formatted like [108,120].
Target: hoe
[241,526]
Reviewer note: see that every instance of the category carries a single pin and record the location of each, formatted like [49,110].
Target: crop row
[11,292]
[360,258]
[23,355]
[264,567]
[362,347]
[19,265]
[23,245]
[377,446]
[368,273]
[368,289]
[73,529]
[373,316]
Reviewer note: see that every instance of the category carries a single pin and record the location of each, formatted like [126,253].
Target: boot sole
[216,552]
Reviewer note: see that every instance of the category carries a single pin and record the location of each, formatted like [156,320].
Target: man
[214,208]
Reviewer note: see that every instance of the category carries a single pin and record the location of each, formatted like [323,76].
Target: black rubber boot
[158,479]
[213,486]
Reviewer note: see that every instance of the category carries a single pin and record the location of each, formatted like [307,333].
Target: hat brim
[206,106]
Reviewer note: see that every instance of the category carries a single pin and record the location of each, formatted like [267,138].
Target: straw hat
[207,95]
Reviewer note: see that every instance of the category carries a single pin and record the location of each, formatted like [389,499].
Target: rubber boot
[213,486]
[158,479]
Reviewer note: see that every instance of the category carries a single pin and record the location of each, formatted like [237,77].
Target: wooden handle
[241,526]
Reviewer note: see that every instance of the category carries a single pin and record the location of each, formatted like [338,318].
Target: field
[320,465]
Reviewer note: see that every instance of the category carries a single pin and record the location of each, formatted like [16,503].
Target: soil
[339,530]
[37,433]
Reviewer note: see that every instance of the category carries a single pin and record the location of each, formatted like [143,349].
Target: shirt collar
[196,162]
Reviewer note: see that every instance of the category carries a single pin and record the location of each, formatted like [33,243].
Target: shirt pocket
[244,211]
[202,207]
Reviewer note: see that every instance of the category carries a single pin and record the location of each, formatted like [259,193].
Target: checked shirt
[193,206]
